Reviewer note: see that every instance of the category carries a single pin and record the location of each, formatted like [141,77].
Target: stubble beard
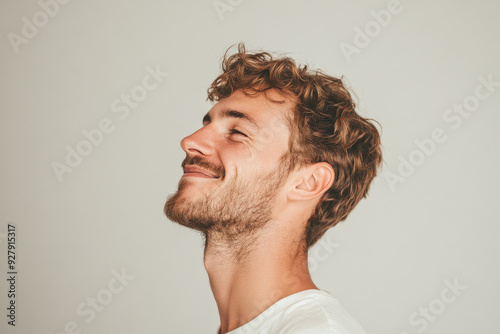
[233,213]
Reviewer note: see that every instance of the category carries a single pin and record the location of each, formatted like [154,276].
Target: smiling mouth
[193,171]
[198,175]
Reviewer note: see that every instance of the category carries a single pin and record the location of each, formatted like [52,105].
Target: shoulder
[307,312]
[317,312]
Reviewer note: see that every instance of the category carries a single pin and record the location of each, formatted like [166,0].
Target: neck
[250,274]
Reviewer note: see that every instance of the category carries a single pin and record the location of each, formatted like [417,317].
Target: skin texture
[251,210]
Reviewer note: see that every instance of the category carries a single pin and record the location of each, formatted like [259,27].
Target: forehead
[266,110]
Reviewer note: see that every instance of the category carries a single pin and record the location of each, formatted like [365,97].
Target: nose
[200,142]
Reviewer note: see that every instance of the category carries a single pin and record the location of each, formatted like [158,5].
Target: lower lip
[193,174]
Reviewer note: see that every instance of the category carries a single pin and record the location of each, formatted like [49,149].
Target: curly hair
[324,127]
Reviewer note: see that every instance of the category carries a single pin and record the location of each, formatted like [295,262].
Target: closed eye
[234,131]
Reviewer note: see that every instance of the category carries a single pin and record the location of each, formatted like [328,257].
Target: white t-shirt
[306,312]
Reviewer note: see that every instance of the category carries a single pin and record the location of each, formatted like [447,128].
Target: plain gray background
[389,264]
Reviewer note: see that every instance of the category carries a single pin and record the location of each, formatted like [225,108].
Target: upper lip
[195,169]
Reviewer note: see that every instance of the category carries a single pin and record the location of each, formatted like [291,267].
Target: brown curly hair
[324,126]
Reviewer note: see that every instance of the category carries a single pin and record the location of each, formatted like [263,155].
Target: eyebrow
[231,113]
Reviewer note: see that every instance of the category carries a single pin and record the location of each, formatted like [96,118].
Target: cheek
[261,152]
[248,157]
[239,152]
[242,161]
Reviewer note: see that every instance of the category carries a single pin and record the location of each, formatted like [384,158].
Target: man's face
[235,166]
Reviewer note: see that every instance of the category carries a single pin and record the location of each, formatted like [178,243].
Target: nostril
[200,142]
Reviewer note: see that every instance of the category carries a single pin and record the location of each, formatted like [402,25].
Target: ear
[312,182]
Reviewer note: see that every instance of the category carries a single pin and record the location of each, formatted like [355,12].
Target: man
[281,157]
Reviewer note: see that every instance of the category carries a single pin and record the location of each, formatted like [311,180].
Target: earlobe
[315,181]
